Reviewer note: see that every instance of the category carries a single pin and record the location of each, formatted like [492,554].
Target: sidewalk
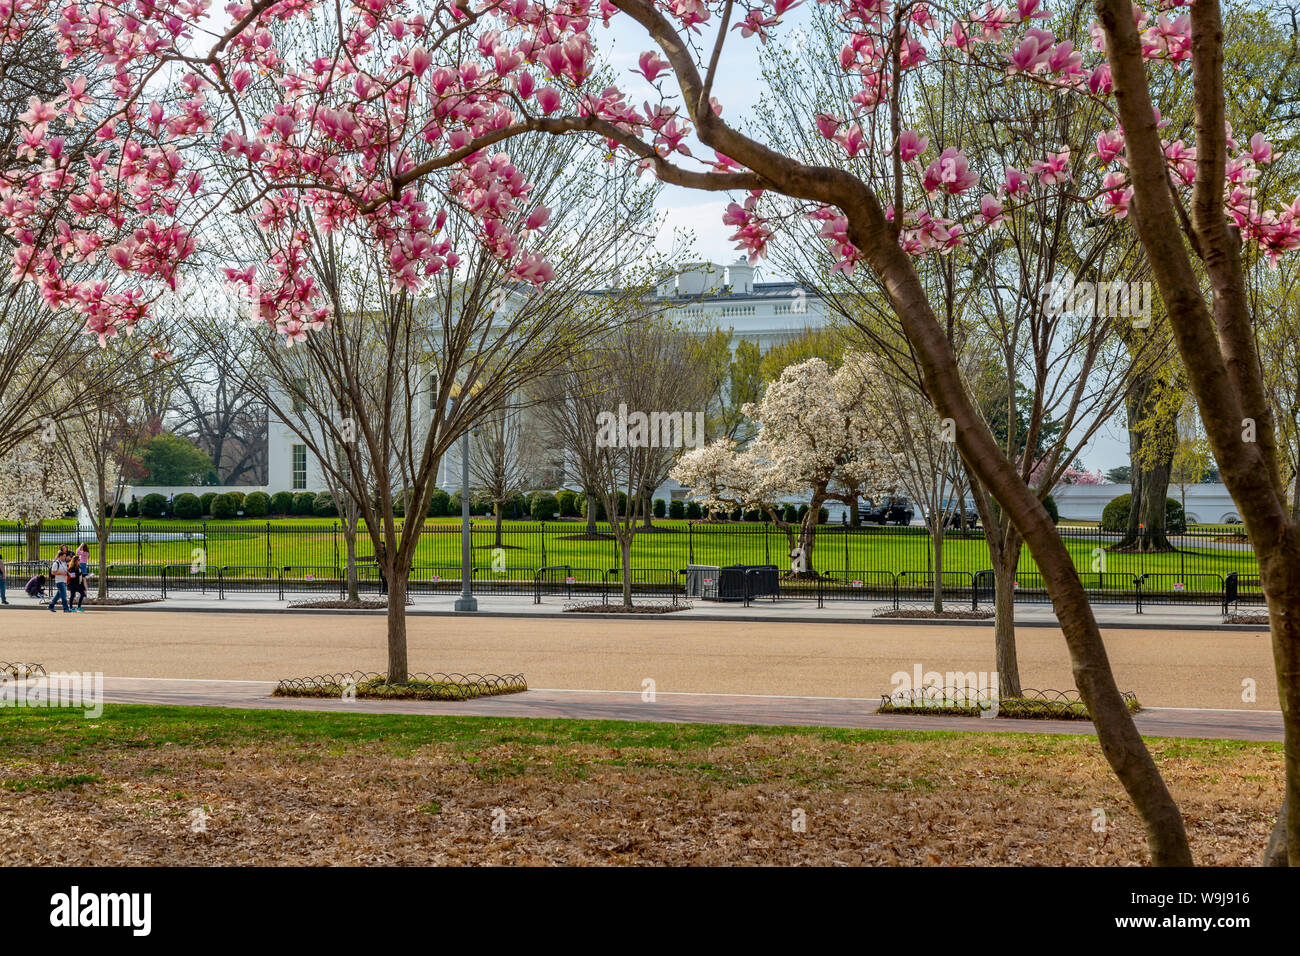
[791,610]
[689,708]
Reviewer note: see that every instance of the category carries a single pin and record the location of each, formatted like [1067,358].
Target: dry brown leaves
[973,799]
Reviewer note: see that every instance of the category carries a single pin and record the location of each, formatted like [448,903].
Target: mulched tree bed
[1246,619]
[420,686]
[120,601]
[963,702]
[621,609]
[930,615]
[337,605]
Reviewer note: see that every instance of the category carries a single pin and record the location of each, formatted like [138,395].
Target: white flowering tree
[34,487]
[815,438]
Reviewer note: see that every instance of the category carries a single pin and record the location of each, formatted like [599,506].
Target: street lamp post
[466,601]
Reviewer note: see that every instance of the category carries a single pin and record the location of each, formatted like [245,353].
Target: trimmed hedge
[187,506]
[224,507]
[304,503]
[324,507]
[568,503]
[693,510]
[677,508]
[257,504]
[1114,517]
[660,508]
[439,504]
[153,505]
[543,506]
[205,501]
[282,503]
[1054,512]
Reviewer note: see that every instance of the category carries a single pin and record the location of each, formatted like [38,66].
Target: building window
[299,467]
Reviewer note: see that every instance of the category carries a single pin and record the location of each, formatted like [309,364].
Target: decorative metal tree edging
[18,670]
[1031,704]
[418,686]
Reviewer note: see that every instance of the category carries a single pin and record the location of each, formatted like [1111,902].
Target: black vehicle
[895,509]
[960,514]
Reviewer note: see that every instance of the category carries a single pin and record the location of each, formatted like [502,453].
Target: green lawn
[318,543]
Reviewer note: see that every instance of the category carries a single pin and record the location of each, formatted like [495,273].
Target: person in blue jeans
[59,577]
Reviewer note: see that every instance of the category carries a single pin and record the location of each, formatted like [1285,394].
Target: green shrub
[754,514]
[790,514]
[823,516]
[119,512]
[439,502]
[238,496]
[660,508]
[224,507]
[187,506]
[205,501]
[133,509]
[257,504]
[282,503]
[515,506]
[568,502]
[544,506]
[693,510]
[324,507]
[1053,512]
[1114,517]
[303,503]
[677,508]
[600,505]
[153,505]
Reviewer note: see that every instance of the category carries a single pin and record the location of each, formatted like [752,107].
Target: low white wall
[1206,504]
[167,490]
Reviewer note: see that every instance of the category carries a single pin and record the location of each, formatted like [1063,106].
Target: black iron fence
[891,564]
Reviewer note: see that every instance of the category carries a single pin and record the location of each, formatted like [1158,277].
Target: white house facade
[702,297]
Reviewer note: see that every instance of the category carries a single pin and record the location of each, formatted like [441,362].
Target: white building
[703,297]
[1207,503]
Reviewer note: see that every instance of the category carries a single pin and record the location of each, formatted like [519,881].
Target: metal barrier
[650,581]
[250,578]
[564,576]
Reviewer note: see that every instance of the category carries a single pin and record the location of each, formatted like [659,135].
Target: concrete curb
[163,607]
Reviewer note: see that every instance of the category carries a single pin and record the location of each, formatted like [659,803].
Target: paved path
[1171,668]
[688,708]
[789,610]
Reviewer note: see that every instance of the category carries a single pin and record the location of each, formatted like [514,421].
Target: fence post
[268,542]
[690,541]
[139,548]
[1137,591]
[974,594]
[896,592]
[541,532]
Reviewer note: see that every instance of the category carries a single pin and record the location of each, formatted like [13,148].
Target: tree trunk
[1148,428]
[1006,559]
[496,505]
[398,666]
[936,537]
[855,519]
[101,539]
[591,513]
[1275,849]
[1279,572]
[33,536]
[350,549]
[625,549]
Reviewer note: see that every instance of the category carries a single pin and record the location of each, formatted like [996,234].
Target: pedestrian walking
[77,582]
[59,577]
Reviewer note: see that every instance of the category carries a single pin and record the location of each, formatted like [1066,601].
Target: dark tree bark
[1148,430]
